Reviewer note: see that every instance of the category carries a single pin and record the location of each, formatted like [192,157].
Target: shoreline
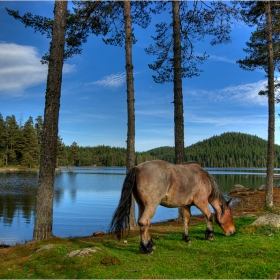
[13,169]
[248,205]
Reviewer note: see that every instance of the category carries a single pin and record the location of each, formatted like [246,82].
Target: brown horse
[158,182]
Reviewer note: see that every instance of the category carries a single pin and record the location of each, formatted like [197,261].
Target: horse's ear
[228,203]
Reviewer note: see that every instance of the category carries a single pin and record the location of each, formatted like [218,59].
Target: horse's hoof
[146,252]
[152,244]
[186,238]
[210,238]
[148,248]
[209,235]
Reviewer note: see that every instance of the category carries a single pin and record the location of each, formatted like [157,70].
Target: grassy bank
[252,253]
[14,168]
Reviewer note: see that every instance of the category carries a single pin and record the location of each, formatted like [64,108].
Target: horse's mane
[216,193]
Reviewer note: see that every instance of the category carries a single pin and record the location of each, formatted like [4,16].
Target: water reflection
[17,197]
[226,181]
[84,199]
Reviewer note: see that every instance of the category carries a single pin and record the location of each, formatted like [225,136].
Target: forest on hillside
[20,145]
[230,149]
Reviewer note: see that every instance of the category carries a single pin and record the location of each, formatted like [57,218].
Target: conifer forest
[20,146]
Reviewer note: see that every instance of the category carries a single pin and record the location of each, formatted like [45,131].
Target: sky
[224,98]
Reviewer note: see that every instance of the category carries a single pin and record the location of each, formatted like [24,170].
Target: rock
[238,188]
[268,219]
[111,261]
[73,253]
[84,252]
[98,233]
[87,251]
[262,188]
[46,247]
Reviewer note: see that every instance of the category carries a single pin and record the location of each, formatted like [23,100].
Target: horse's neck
[217,206]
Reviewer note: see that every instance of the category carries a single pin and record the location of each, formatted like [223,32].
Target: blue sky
[93,103]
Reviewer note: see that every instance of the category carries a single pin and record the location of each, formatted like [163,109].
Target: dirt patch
[252,202]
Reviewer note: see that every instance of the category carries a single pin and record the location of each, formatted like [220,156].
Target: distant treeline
[20,145]
[100,155]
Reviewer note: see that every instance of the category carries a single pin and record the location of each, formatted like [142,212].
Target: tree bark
[178,95]
[130,153]
[271,111]
[45,194]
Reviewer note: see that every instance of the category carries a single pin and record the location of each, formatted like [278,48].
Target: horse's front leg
[146,243]
[204,208]
[209,233]
[186,219]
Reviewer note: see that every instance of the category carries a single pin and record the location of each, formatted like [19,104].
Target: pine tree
[39,128]
[263,51]
[176,59]
[12,135]
[30,148]
[60,151]
[73,154]
[174,48]
[45,194]
[120,17]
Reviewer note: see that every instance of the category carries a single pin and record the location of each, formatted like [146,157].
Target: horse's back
[153,179]
[190,183]
[170,185]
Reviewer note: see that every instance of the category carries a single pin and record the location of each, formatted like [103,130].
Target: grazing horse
[158,182]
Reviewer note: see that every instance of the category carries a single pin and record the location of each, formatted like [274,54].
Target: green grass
[253,252]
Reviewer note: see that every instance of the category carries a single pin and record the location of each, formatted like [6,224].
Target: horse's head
[225,220]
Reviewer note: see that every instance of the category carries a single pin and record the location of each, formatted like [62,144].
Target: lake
[86,198]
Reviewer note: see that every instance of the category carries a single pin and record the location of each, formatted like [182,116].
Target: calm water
[86,198]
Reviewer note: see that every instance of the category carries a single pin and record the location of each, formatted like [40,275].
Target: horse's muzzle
[230,232]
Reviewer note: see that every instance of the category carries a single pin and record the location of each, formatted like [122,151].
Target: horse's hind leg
[146,243]
[186,218]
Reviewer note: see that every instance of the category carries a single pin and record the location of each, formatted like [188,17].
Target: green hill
[230,149]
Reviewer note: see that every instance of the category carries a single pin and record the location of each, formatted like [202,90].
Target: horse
[158,182]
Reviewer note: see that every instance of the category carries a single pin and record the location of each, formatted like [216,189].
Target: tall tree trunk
[178,95]
[130,153]
[271,111]
[45,194]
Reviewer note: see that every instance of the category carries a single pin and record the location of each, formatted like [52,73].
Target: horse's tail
[216,193]
[120,220]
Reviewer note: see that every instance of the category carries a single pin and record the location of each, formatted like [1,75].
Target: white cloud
[112,81]
[68,68]
[227,121]
[245,94]
[222,58]
[21,68]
